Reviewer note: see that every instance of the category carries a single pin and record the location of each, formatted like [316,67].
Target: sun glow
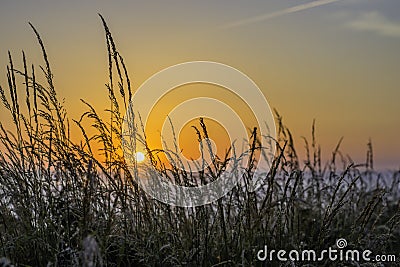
[140,157]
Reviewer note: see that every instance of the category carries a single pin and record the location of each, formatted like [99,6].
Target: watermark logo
[151,91]
[336,253]
[341,243]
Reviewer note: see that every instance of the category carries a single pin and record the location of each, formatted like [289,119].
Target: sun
[140,157]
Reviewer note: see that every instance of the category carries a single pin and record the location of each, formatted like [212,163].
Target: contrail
[278,13]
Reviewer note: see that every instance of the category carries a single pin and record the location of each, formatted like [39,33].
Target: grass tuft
[65,203]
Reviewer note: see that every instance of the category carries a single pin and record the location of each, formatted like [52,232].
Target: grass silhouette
[66,203]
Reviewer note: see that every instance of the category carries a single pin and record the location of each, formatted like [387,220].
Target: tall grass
[66,203]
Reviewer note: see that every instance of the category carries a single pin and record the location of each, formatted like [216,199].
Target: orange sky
[337,63]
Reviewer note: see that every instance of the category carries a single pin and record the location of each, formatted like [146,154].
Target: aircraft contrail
[278,13]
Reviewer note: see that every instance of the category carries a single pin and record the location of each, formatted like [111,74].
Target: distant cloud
[286,11]
[376,23]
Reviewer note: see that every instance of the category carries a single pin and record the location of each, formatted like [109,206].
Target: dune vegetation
[68,203]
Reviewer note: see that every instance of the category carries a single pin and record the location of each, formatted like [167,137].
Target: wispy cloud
[279,13]
[376,23]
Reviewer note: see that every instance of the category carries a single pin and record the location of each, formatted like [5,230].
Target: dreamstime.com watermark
[337,253]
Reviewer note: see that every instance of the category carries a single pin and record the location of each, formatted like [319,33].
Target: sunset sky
[336,61]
